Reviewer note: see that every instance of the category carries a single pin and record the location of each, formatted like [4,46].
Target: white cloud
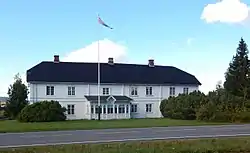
[107,48]
[226,11]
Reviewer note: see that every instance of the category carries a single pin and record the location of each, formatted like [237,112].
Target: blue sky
[171,32]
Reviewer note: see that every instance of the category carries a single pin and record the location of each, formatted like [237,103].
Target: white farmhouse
[127,90]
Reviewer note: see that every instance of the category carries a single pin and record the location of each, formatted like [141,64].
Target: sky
[199,37]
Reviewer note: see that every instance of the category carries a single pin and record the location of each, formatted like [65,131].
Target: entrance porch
[112,107]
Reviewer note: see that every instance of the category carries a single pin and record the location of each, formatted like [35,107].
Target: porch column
[93,115]
[125,110]
[106,109]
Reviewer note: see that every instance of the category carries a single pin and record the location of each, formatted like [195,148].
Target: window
[134,108]
[105,91]
[50,90]
[104,109]
[185,90]
[92,109]
[133,91]
[71,91]
[71,109]
[121,109]
[148,107]
[172,91]
[127,108]
[149,91]
[115,109]
[96,109]
[110,109]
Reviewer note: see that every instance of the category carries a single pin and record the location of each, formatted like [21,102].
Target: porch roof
[117,98]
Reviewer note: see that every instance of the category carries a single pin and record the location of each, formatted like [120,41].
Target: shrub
[183,106]
[45,111]
[206,112]
[241,117]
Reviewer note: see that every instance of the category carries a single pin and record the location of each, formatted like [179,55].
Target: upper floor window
[71,91]
[50,90]
[149,91]
[71,109]
[105,91]
[172,91]
[148,107]
[133,91]
[185,90]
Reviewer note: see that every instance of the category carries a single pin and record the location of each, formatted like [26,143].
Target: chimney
[151,63]
[56,58]
[110,61]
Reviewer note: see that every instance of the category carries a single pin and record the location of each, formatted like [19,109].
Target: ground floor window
[121,109]
[96,109]
[92,109]
[134,108]
[148,107]
[110,109]
[104,109]
[115,109]
[71,109]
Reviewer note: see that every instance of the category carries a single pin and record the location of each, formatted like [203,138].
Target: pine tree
[236,77]
[18,94]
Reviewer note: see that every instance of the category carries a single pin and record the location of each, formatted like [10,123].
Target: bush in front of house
[183,106]
[44,111]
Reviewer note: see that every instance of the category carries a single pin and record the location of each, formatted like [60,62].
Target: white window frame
[171,91]
[121,109]
[71,90]
[149,108]
[185,90]
[71,109]
[106,91]
[110,109]
[149,91]
[49,90]
[134,108]
[133,91]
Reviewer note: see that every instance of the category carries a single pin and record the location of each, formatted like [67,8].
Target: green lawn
[14,126]
[225,145]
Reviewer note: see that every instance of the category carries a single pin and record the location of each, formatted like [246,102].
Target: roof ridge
[107,63]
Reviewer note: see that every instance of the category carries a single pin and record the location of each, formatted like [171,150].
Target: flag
[104,24]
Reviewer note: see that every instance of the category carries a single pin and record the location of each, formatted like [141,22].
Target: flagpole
[98,63]
[98,79]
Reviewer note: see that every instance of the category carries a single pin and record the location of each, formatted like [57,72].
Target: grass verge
[225,145]
[14,126]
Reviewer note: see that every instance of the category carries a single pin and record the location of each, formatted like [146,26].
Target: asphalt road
[118,135]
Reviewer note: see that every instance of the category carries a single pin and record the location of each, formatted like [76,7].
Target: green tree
[18,94]
[236,78]
[44,111]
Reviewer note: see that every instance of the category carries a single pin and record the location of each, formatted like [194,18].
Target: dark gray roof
[104,98]
[117,73]
[3,99]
